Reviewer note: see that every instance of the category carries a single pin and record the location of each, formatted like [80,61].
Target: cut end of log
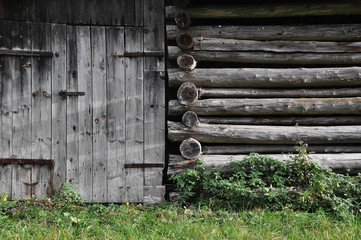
[182,19]
[190,148]
[186,62]
[185,41]
[187,93]
[190,119]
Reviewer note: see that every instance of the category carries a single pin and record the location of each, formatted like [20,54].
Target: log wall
[259,77]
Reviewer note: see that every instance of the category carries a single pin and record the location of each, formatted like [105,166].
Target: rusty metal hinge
[7,52]
[65,94]
[144,165]
[139,54]
[27,161]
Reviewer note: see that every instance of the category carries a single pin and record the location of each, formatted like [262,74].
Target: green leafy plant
[264,182]
[67,194]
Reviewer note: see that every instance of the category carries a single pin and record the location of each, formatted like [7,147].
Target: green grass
[42,219]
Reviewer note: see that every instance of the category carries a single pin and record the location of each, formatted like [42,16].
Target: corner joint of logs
[187,93]
[190,148]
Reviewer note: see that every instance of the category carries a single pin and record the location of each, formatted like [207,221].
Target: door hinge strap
[144,165]
[139,54]
[7,52]
[27,161]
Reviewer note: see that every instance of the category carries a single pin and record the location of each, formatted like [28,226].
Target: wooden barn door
[85,105]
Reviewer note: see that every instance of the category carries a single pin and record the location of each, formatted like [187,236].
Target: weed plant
[262,182]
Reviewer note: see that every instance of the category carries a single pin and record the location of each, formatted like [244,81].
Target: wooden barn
[113,96]
[82,98]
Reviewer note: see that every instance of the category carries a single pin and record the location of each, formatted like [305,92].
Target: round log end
[186,62]
[190,148]
[181,3]
[182,19]
[187,93]
[190,119]
[185,41]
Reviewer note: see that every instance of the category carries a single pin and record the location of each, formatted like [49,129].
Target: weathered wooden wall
[120,118]
[260,76]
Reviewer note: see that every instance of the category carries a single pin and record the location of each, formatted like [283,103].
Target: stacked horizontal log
[304,84]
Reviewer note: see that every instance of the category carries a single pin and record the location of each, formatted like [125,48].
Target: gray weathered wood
[267,77]
[346,162]
[185,41]
[182,19]
[246,149]
[230,45]
[319,32]
[284,121]
[100,164]
[133,14]
[59,114]
[72,124]
[134,115]
[154,100]
[85,112]
[190,148]
[269,57]
[115,115]
[277,93]
[271,10]
[190,119]
[186,62]
[41,109]
[21,103]
[269,106]
[187,93]
[253,134]
[6,108]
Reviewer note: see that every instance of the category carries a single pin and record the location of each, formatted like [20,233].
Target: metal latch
[144,165]
[65,94]
[139,54]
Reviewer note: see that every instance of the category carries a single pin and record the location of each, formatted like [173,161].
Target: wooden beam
[267,77]
[269,57]
[282,121]
[253,134]
[270,106]
[231,45]
[271,10]
[346,163]
[319,32]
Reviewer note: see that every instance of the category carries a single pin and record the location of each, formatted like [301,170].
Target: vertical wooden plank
[115,114]
[99,114]
[79,12]
[6,141]
[72,131]
[21,93]
[154,99]
[56,11]
[85,112]
[41,108]
[14,10]
[59,76]
[134,114]
[133,15]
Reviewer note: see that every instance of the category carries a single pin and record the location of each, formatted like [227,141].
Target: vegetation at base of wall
[47,219]
[263,182]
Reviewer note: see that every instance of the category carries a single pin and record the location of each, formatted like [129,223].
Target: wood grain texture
[41,108]
[134,15]
[270,57]
[319,32]
[271,10]
[230,45]
[99,71]
[267,77]
[59,111]
[134,114]
[246,149]
[346,162]
[251,134]
[72,122]
[85,112]
[115,115]
[269,106]
[154,100]
[21,122]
